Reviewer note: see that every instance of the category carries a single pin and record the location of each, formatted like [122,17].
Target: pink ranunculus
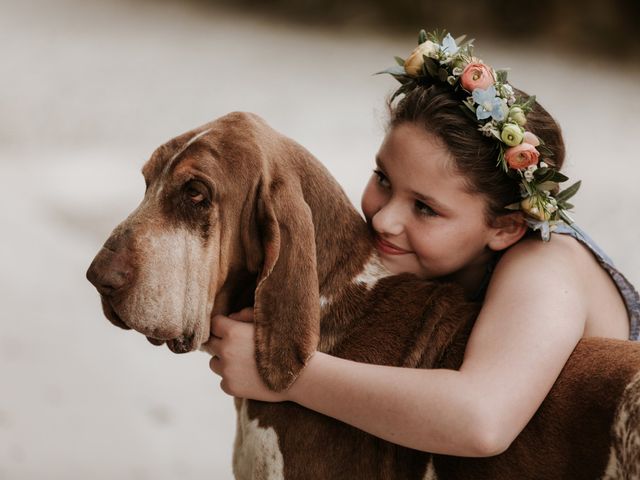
[476,75]
[521,156]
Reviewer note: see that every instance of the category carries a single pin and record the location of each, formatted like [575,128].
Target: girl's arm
[533,316]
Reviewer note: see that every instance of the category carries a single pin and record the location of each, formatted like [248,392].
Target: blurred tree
[606,27]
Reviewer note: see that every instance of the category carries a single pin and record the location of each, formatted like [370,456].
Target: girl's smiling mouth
[388,247]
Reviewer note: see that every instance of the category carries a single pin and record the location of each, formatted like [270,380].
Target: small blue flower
[449,45]
[489,105]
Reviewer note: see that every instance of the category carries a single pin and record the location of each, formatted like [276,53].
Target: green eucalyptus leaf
[399,61]
[549,175]
[501,76]
[569,192]
[558,177]
[422,37]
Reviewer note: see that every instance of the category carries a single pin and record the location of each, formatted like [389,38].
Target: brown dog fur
[276,231]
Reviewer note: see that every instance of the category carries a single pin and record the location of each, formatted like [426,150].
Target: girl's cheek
[370,202]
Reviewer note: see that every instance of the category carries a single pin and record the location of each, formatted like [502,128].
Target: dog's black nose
[110,271]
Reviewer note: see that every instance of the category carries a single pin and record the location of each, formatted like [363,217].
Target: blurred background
[90,88]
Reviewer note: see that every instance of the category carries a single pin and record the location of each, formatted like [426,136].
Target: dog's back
[419,324]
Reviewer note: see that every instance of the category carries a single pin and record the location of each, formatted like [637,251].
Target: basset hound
[235,215]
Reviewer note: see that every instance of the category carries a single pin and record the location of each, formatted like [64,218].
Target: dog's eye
[196,192]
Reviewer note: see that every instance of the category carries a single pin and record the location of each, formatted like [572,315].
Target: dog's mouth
[182,344]
[111,314]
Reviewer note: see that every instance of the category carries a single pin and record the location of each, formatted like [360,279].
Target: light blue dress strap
[627,290]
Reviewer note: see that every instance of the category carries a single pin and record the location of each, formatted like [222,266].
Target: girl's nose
[388,220]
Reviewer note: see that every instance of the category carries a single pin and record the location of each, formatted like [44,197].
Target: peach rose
[413,63]
[521,156]
[476,75]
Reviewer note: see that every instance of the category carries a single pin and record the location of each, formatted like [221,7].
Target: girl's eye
[196,192]
[382,179]
[424,209]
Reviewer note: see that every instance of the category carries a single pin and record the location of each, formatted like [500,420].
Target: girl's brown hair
[439,110]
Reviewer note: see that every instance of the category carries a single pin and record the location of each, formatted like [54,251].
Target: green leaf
[569,192]
[549,175]
[501,161]
[558,177]
[396,70]
[501,76]
[542,174]
[422,37]
[399,61]
[565,205]
[460,39]
[430,66]
[565,216]
[528,104]
[443,74]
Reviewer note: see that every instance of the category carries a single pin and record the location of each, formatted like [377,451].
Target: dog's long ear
[287,307]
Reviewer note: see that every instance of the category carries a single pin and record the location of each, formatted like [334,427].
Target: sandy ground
[89,89]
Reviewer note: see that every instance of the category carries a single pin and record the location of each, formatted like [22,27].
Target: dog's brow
[175,159]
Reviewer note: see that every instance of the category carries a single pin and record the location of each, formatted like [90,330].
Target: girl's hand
[234,358]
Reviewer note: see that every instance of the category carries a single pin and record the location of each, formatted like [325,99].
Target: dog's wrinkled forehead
[234,144]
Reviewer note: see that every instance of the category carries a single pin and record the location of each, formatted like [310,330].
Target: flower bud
[533,206]
[512,134]
[517,115]
[531,139]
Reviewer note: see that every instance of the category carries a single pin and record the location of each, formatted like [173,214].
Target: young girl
[461,185]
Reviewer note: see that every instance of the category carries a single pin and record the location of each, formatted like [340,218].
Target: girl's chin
[396,264]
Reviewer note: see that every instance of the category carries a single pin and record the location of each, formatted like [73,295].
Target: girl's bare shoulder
[563,256]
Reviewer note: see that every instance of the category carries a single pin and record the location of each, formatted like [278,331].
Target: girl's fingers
[220,324]
[244,315]
[215,364]
[214,346]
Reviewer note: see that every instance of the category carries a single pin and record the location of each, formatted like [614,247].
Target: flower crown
[490,101]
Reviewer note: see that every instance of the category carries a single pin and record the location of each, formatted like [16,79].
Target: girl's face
[424,220]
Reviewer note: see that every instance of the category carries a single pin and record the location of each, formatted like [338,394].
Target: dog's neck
[343,241]
[347,263]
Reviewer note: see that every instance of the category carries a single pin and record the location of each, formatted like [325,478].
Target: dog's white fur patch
[613,469]
[373,271]
[430,474]
[256,453]
[624,458]
[324,301]
[185,146]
